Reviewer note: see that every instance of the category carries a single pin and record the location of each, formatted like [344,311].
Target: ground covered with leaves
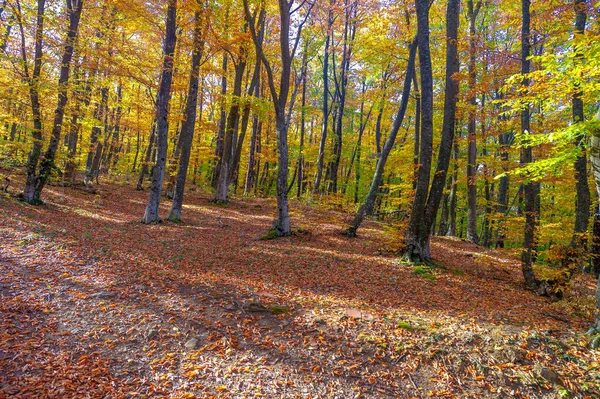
[95,304]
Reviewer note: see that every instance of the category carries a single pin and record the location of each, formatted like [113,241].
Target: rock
[103,294]
[151,334]
[255,307]
[549,375]
[192,344]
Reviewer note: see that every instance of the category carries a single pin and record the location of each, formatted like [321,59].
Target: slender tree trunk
[96,146]
[472,236]
[583,200]
[162,107]
[449,123]
[230,131]
[453,193]
[341,88]
[29,193]
[300,166]
[417,139]
[252,168]
[529,243]
[595,158]
[503,187]
[369,202]
[321,157]
[148,159]
[47,162]
[222,124]
[116,129]
[186,137]
[246,113]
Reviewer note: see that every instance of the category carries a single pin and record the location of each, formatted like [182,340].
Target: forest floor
[95,304]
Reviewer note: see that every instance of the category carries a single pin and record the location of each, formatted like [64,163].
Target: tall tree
[473,11]
[161,116]
[369,202]
[325,107]
[280,99]
[448,125]
[186,136]
[36,181]
[427,201]
[529,242]
[583,201]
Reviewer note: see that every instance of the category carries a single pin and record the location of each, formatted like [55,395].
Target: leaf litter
[95,304]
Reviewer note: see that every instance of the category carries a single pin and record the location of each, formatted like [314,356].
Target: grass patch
[424,271]
[405,325]
[271,235]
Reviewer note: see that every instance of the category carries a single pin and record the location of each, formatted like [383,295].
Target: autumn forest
[299,198]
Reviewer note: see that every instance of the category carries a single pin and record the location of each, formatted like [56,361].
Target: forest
[299,198]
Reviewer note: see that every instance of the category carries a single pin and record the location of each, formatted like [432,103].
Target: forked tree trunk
[426,204]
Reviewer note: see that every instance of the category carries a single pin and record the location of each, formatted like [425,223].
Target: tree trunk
[300,166]
[251,170]
[453,193]
[583,200]
[595,158]
[162,107]
[186,137]
[230,131]
[369,202]
[325,109]
[47,162]
[448,126]
[29,193]
[147,158]
[222,125]
[341,87]
[414,251]
[529,243]
[472,236]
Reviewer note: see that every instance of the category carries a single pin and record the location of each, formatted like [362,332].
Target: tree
[186,136]
[529,243]
[582,203]
[36,180]
[280,99]
[424,212]
[368,204]
[472,236]
[161,120]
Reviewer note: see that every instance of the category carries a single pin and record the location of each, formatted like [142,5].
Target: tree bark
[448,126]
[583,200]
[162,107]
[369,202]
[186,137]
[33,83]
[32,194]
[325,109]
[472,236]
[230,131]
[529,243]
